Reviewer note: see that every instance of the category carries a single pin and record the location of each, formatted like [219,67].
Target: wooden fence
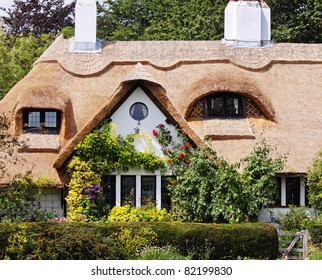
[297,245]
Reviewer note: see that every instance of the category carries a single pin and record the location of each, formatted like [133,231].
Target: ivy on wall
[103,152]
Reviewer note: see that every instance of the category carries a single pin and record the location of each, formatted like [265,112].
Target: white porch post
[158,192]
[118,190]
[283,191]
[302,192]
[138,190]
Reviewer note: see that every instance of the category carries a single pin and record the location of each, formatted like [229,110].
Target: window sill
[223,129]
[44,143]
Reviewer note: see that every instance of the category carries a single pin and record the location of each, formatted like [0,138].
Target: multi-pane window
[293,191]
[148,189]
[224,105]
[41,121]
[128,190]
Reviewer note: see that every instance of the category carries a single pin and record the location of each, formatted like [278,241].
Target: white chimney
[85,27]
[247,24]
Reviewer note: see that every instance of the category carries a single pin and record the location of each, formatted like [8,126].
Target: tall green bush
[206,188]
[314,182]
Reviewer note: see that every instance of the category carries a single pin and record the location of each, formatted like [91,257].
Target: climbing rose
[188,161]
[169,151]
[161,125]
[181,156]
[154,132]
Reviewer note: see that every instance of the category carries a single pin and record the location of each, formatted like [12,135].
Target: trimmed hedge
[316,234]
[92,241]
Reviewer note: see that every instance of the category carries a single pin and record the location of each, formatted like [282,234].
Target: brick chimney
[85,28]
[247,24]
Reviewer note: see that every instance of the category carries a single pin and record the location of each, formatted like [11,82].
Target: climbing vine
[103,152]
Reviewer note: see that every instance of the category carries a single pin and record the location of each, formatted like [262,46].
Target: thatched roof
[284,81]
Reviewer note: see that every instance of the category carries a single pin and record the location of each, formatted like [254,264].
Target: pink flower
[184,133]
[154,132]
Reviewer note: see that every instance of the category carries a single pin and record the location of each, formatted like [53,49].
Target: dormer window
[224,105]
[41,121]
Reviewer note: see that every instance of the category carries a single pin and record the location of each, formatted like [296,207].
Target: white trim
[158,192]
[138,182]
[118,190]
[302,192]
[283,191]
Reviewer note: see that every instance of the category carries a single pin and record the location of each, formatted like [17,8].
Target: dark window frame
[224,97]
[41,129]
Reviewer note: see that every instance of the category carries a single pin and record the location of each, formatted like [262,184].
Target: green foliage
[258,178]
[133,239]
[147,213]
[161,20]
[161,253]
[107,152]
[296,21]
[20,200]
[78,203]
[296,219]
[68,32]
[314,182]
[118,241]
[315,231]
[17,56]
[206,188]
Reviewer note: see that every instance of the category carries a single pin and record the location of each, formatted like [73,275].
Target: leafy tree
[17,57]
[314,181]
[298,21]
[161,20]
[206,188]
[38,17]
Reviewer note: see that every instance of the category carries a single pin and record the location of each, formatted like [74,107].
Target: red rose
[154,132]
[188,161]
[161,125]
[184,133]
[169,151]
[187,145]
[169,161]
[181,156]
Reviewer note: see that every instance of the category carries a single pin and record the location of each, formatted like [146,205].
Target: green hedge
[316,234]
[92,241]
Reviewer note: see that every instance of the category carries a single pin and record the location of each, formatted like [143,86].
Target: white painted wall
[125,124]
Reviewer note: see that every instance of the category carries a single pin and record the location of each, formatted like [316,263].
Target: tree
[161,19]
[17,57]
[297,21]
[206,188]
[314,182]
[38,17]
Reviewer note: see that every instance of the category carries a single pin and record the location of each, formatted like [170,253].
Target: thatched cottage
[235,92]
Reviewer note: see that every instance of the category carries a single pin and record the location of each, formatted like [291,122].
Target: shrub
[316,235]
[117,241]
[298,218]
[147,213]
[134,239]
[161,253]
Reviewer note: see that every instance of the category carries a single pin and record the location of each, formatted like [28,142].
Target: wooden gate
[297,245]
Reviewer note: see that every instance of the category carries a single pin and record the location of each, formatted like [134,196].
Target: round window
[139,111]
